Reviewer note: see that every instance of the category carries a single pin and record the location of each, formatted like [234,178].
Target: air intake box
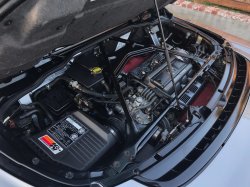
[76,141]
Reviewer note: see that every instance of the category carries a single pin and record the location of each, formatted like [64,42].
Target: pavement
[230,22]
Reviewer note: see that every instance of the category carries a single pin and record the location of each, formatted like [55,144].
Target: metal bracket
[153,36]
[188,56]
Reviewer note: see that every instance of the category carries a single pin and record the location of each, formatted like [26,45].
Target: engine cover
[182,71]
[76,141]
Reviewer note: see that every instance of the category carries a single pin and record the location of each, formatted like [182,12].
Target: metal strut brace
[132,126]
[167,54]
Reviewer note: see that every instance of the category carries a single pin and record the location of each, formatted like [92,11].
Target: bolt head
[127,153]
[137,171]
[69,175]
[132,158]
[35,161]
[116,164]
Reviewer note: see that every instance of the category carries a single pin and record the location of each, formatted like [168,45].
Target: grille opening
[193,155]
[233,100]
[217,126]
[241,79]
[229,108]
[202,145]
[170,175]
[158,157]
[241,72]
[239,85]
[222,121]
[211,135]
[241,64]
[236,93]
[182,166]
[223,116]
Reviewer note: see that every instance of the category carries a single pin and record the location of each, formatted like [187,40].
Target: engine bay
[116,101]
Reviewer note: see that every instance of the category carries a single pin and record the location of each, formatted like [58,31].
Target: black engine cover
[182,72]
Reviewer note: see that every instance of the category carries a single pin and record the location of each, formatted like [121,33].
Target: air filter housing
[76,141]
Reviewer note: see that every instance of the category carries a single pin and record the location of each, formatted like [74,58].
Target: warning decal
[67,130]
[51,144]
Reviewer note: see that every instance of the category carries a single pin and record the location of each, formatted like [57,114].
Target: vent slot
[185,98]
[193,88]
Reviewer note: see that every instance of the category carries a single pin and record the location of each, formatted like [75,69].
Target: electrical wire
[14,112]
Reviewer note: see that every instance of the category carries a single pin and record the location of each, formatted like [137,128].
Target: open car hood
[32,29]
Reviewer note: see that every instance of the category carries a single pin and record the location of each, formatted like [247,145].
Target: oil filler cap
[96,70]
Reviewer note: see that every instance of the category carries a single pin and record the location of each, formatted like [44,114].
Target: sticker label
[67,131]
[51,144]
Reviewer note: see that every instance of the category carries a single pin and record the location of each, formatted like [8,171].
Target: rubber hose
[144,85]
[39,117]
[37,93]
[103,101]
[145,93]
[30,113]
[2,99]
[27,107]
[127,89]
[158,90]
[167,123]
[106,86]
[150,97]
[89,92]
[117,124]
[147,105]
[44,109]
[164,125]
[148,94]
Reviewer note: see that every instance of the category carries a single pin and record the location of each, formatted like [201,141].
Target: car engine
[110,96]
[83,86]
